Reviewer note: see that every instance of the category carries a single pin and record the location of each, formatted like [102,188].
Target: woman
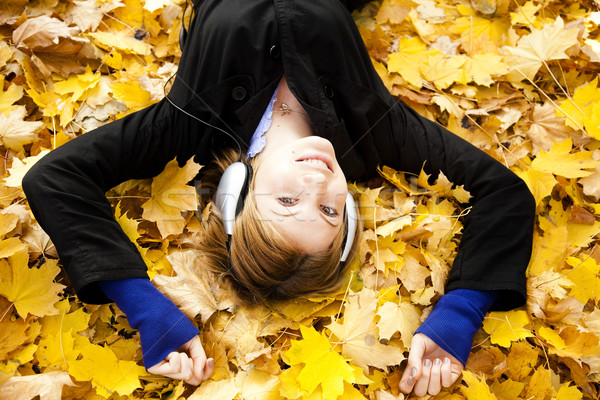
[236,56]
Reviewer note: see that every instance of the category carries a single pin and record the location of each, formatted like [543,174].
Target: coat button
[275,52]
[238,93]
[328,91]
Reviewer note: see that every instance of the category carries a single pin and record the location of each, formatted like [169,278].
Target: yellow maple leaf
[549,248]
[107,373]
[568,392]
[318,365]
[57,350]
[521,360]
[540,384]
[479,34]
[581,234]
[16,333]
[581,110]
[393,226]
[15,132]
[19,169]
[31,290]
[444,70]
[584,275]
[578,343]
[120,40]
[76,321]
[439,269]
[225,389]
[508,389]
[6,53]
[132,94]
[551,337]
[540,183]
[483,67]
[79,85]
[526,14]
[359,336]
[412,273]
[257,385]
[532,50]
[398,317]
[506,327]
[170,196]
[9,97]
[53,104]
[475,389]
[560,161]
[11,246]
[8,222]
[412,53]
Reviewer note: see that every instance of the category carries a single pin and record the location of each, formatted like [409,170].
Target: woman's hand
[429,367]
[188,363]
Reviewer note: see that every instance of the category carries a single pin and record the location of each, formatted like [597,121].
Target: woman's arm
[170,342]
[495,247]
[66,191]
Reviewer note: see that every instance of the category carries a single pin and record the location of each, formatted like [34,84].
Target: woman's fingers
[422,384]
[169,366]
[435,377]
[209,368]
[203,369]
[187,368]
[193,368]
[447,379]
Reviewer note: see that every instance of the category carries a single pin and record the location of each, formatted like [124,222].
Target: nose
[315,188]
[313,179]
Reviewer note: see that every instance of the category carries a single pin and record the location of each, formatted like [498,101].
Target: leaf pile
[518,79]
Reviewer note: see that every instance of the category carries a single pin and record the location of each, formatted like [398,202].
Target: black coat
[235,54]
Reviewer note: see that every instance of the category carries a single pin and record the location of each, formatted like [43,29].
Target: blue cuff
[455,318]
[162,326]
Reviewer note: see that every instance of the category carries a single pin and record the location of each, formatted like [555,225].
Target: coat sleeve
[66,191]
[497,237]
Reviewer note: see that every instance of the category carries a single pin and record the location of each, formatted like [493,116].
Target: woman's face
[301,189]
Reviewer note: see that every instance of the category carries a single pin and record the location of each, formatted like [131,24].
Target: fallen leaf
[47,386]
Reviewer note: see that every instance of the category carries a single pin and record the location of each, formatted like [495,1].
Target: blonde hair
[262,264]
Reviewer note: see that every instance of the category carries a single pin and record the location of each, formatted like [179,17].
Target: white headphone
[232,191]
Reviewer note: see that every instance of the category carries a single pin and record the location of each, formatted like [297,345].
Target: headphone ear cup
[352,222]
[231,193]
[245,189]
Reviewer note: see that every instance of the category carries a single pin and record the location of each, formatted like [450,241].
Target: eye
[287,201]
[329,211]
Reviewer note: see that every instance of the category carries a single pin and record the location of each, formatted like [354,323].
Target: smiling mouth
[318,161]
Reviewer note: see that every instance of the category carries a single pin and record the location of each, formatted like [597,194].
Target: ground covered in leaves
[516,78]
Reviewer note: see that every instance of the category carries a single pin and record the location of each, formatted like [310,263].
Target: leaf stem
[6,311]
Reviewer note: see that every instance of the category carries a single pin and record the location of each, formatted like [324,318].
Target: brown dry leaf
[88,14]
[48,386]
[521,360]
[548,43]
[194,290]
[546,128]
[359,335]
[439,57]
[15,132]
[400,317]
[47,34]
